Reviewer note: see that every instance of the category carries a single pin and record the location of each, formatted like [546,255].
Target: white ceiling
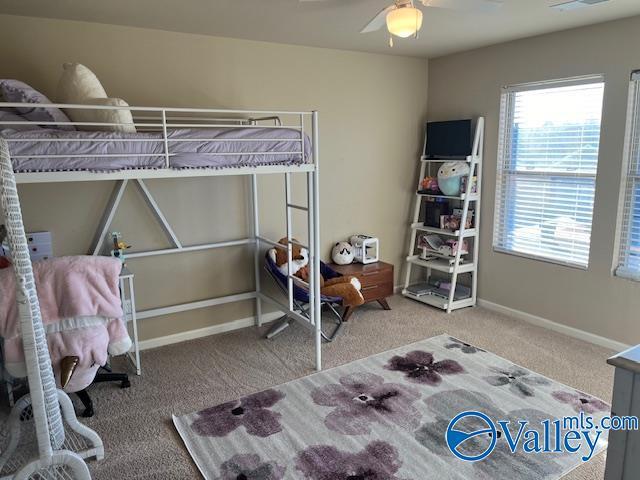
[331,24]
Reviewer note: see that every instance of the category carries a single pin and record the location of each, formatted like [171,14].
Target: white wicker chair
[42,438]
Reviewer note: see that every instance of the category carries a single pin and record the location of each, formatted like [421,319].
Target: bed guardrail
[152,138]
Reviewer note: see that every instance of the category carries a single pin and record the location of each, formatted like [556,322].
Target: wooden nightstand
[376,279]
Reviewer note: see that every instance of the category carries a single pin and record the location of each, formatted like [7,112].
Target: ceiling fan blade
[378,21]
[482,6]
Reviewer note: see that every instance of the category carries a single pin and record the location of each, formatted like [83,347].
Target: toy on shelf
[119,246]
[434,244]
[452,222]
[342,253]
[429,185]
[367,248]
[474,185]
[450,177]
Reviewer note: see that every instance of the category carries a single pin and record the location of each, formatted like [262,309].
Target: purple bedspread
[189,148]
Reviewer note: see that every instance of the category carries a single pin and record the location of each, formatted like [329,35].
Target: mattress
[99,151]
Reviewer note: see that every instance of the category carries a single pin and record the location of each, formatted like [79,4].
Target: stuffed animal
[450,177]
[342,253]
[119,247]
[299,257]
[346,287]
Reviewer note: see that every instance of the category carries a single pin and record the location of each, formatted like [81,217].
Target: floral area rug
[386,417]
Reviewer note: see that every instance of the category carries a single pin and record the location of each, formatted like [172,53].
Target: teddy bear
[346,287]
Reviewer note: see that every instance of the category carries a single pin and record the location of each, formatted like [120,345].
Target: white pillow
[102,115]
[78,83]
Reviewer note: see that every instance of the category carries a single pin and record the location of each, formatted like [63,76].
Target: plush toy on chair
[346,287]
[335,290]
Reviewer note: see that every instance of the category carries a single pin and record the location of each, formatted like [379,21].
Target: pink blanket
[81,310]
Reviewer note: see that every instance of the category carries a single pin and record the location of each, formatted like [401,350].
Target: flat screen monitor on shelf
[448,140]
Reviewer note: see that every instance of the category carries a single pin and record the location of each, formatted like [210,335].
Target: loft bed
[180,143]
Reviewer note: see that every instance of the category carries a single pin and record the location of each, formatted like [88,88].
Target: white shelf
[442,160]
[468,232]
[473,197]
[440,266]
[435,253]
[448,264]
[439,302]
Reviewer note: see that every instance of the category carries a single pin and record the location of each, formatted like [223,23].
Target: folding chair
[301,301]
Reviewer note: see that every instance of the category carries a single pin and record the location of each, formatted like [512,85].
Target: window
[629,256]
[547,161]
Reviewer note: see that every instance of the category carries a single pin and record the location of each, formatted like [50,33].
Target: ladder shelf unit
[448,268]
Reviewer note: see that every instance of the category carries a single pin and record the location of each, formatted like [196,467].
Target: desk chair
[105,374]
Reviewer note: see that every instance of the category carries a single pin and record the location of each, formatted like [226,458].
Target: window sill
[541,259]
[626,275]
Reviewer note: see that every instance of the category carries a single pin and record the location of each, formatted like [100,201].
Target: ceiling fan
[403,19]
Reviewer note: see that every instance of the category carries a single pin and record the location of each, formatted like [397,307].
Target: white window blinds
[629,257]
[547,162]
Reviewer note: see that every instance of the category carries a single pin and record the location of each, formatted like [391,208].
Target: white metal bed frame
[161,119]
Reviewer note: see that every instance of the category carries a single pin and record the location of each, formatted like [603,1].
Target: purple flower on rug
[520,381]
[464,347]
[364,398]
[251,411]
[420,367]
[250,467]
[378,461]
[581,402]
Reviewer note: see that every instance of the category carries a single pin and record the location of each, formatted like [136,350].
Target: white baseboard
[556,327]
[206,331]
[270,317]
[215,329]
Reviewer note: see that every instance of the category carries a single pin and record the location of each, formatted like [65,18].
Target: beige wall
[371,108]
[469,84]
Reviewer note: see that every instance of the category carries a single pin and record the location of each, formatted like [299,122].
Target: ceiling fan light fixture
[404,22]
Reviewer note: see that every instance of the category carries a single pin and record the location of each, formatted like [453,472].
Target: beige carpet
[135,424]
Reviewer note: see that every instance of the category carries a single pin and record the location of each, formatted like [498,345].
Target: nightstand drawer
[376,277]
[377,291]
[376,280]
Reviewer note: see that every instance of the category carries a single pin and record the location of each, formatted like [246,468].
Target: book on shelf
[420,289]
